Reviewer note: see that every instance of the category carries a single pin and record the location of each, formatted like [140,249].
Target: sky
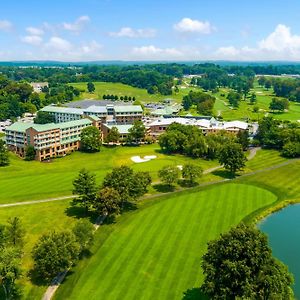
[89,30]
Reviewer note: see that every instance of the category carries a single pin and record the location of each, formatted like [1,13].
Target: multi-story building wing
[127,114]
[49,140]
[63,114]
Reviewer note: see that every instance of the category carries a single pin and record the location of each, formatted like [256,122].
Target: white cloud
[59,44]
[34,40]
[281,44]
[134,33]
[35,31]
[78,25]
[187,25]
[152,52]
[5,25]
[90,48]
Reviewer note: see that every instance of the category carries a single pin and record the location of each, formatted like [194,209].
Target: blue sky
[82,30]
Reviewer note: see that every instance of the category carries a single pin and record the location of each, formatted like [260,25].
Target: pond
[283,230]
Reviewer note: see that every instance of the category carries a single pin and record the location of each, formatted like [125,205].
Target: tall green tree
[137,132]
[231,155]
[90,139]
[84,234]
[55,252]
[29,153]
[84,185]
[108,201]
[240,265]
[43,117]
[4,158]
[169,174]
[243,138]
[90,87]
[191,172]
[15,232]
[113,136]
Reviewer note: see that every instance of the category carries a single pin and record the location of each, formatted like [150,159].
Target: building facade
[119,114]
[49,140]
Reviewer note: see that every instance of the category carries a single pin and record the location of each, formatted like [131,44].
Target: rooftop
[70,110]
[128,108]
[123,129]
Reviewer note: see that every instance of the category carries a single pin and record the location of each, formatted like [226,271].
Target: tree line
[189,140]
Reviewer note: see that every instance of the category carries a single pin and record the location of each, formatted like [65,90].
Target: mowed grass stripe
[146,251]
[164,242]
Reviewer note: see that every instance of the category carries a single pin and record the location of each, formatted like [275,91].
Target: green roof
[123,129]
[128,108]
[164,111]
[95,118]
[22,127]
[61,109]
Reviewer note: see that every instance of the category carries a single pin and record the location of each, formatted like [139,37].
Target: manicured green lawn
[119,89]
[23,181]
[38,219]
[264,158]
[155,252]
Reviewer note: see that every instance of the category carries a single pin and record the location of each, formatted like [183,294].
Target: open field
[25,181]
[110,88]
[155,252]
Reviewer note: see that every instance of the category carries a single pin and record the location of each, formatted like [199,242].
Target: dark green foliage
[15,232]
[108,201]
[231,155]
[137,132]
[55,252]
[279,104]
[43,117]
[239,265]
[234,98]
[90,87]
[191,172]
[90,139]
[84,234]
[129,184]
[29,153]
[203,101]
[4,158]
[85,187]
[113,136]
[243,139]
[169,174]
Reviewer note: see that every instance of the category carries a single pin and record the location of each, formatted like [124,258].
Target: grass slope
[110,88]
[22,181]
[155,252]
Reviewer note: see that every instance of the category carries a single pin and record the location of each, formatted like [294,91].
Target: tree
[253,98]
[234,98]
[239,265]
[191,172]
[113,136]
[55,252]
[243,139]
[84,234]
[90,139]
[169,174]
[85,187]
[29,153]
[108,201]
[137,132]
[291,149]
[90,87]
[4,158]
[279,104]
[128,184]
[15,232]
[10,271]
[231,155]
[43,117]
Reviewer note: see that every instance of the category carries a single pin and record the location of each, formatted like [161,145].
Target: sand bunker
[138,159]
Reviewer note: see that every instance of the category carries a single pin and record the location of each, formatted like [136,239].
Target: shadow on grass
[164,188]
[187,183]
[36,280]
[224,174]
[79,212]
[194,294]
[128,206]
